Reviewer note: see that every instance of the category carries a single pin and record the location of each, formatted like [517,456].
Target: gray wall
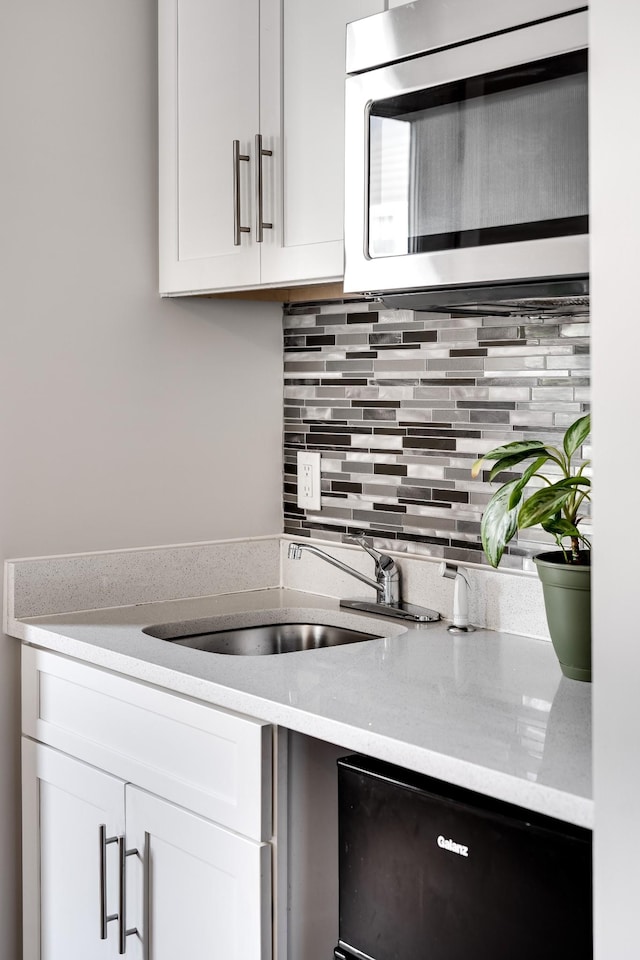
[125,420]
[615,90]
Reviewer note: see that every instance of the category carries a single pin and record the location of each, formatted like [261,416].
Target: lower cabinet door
[194,889]
[70,873]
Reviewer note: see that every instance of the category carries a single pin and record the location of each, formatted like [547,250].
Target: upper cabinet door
[208,98]
[302,121]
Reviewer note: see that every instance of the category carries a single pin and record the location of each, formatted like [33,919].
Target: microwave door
[488,160]
[475,164]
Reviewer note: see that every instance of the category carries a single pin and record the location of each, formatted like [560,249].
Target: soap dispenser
[460,597]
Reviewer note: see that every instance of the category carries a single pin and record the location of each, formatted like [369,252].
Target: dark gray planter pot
[567,601]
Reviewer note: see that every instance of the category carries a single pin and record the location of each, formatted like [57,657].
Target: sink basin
[257,633]
[272,638]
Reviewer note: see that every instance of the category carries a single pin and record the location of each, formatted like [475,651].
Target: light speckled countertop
[489,711]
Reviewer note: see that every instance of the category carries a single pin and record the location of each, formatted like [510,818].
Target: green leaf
[507,462]
[578,481]
[560,527]
[527,448]
[499,523]
[518,446]
[576,434]
[516,494]
[543,505]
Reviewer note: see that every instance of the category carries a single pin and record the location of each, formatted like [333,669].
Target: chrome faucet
[386,583]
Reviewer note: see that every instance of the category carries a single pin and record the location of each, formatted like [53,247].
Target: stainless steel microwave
[466,146]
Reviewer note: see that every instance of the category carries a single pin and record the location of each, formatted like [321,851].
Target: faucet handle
[386,568]
[360,539]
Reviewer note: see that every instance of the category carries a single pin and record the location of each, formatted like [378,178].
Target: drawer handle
[104,917]
[260,224]
[237,228]
[123,933]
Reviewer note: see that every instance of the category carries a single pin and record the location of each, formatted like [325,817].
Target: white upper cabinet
[302,106]
[230,72]
[209,60]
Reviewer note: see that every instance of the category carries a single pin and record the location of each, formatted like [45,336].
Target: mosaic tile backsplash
[400,403]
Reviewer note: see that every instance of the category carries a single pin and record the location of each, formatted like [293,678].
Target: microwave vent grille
[558,298]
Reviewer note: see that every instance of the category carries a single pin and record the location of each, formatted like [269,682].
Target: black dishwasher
[429,871]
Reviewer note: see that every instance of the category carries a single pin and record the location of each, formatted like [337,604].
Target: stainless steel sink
[270,638]
[264,632]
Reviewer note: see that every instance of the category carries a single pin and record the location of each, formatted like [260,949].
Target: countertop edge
[549,801]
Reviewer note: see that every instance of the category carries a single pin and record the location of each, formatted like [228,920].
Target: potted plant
[565,573]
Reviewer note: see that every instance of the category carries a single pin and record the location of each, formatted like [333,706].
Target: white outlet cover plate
[308,480]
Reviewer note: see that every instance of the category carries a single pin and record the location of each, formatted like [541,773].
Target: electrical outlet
[308,480]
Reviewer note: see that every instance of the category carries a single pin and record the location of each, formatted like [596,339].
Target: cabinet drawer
[208,760]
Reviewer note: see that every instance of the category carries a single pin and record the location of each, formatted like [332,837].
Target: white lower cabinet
[200,891]
[65,802]
[111,867]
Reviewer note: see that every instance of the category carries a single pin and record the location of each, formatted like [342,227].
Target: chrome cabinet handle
[260,224]
[123,933]
[238,229]
[146,943]
[104,917]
